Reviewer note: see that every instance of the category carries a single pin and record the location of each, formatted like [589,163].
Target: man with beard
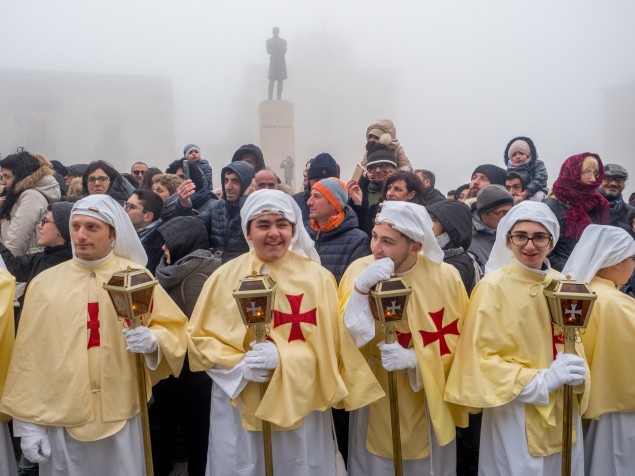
[485,175]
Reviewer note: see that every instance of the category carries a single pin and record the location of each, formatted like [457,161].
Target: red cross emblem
[404,339]
[441,332]
[93,324]
[557,338]
[295,318]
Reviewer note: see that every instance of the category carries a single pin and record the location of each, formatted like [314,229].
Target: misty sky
[464,76]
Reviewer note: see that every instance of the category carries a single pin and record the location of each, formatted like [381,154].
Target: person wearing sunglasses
[101,178]
[138,169]
[509,360]
[577,203]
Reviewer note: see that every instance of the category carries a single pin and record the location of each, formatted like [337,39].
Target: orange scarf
[331,224]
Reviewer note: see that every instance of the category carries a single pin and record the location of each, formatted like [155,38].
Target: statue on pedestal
[276,49]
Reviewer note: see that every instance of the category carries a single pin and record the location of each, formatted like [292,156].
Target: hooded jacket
[483,238]
[222,218]
[456,220]
[20,233]
[341,246]
[250,149]
[535,169]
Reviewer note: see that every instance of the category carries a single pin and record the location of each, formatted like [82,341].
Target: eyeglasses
[131,206]
[588,174]
[45,221]
[617,180]
[380,166]
[499,213]
[100,179]
[138,172]
[540,240]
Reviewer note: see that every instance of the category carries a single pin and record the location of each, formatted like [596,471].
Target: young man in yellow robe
[403,245]
[71,383]
[7,333]
[605,258]
[310,362]
[507,360]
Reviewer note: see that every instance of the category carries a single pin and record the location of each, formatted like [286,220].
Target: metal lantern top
[389,299]
[255,297]
[131,292]
[570,302]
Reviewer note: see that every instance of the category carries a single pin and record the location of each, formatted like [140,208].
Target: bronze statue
[276,48]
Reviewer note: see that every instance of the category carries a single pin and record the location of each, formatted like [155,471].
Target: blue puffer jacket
[340,247]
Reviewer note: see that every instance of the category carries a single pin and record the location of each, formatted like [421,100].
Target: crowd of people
[479,367]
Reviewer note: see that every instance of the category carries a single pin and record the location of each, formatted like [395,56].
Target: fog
[459,79]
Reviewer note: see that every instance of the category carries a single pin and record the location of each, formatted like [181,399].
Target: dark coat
[152,244]
[340,247]
[27,267]
[432,195]
[535,169]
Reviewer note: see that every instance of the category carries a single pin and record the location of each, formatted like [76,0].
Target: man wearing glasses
[138,169]
[144,208]
[611,188]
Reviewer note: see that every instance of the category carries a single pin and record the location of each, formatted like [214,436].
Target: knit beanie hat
[379,154]
[495,174]
[334,190]
[491,197]
[518,145]
[323,166]
[61,216]
[189,148]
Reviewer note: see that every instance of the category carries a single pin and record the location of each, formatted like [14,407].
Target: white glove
[140,340]
[566,369]
[263,356]
[379,270]
[396,357]
[36,448]
[256,375]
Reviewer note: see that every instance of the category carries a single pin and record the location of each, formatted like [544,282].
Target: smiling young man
[307,361]
[144,208]
[403,245]
[70,386]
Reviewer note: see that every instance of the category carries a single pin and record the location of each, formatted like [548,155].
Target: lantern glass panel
[252,285]
[141,301]
[574,311]
[393,308]
[117,280]
[254,309]
[118,299]
[577,288]
[140,278]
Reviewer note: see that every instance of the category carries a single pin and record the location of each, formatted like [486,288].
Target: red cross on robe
[295,318]
[93,324]
[557,338]
[441,332]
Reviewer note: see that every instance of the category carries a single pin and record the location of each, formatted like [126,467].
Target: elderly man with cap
[403,245]
[485,175]
[192,152]
[492,204]
[70,386]
[334,227]
[605,258]
[308,360]
[611,188]
[508,359]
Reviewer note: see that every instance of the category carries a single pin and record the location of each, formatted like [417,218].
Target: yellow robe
[7,329]
[506,340]
[608,342]
[55,380]
[313,373]
[437,293]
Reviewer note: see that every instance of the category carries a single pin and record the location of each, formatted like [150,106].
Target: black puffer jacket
[340,247]
[535,169]
[222,218]
[456,219]
[432,195]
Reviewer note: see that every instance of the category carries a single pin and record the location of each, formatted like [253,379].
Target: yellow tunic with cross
[435,314]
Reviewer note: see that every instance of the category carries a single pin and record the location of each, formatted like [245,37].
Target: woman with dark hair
[577,203]
[101,178]
[461,193]
[404,186]
[146,181]
[29,186]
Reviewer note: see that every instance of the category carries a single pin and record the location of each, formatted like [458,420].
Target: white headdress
[413,221]
[265,202]
[524,211]
[105,208]
[600,246]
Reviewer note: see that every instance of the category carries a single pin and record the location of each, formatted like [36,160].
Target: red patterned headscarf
[582,198]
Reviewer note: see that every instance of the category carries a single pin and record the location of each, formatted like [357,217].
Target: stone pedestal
[277,140]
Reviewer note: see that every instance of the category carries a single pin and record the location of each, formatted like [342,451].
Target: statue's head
[276,31]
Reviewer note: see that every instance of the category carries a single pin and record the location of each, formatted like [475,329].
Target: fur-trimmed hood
[43,181]
[532,149]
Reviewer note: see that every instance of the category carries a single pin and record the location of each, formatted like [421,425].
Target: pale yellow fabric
[311,375]
[50,381]
[435,287]
[7,329]
[608,343]
[506,339]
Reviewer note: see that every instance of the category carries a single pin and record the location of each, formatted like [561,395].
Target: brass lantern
[570,302]
[389,299]
[255,297]
[131,293]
